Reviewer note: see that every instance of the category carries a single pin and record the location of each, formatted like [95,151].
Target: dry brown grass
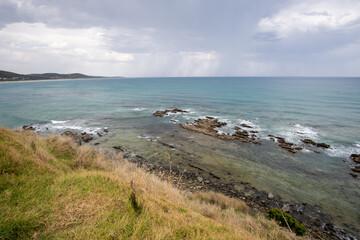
[230,213]
[221,200]
[88,195]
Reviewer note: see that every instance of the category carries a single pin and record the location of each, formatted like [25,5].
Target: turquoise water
[323,109]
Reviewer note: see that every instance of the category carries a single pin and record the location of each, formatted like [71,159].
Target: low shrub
[282,217]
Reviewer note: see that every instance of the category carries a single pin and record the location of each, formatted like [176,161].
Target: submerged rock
[167,111]
[353,175]
[120,148]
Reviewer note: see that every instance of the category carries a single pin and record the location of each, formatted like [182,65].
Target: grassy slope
[50,188]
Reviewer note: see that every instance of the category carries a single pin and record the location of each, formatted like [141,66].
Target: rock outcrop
[309,141]
[167,111]
[290,147]
[73,136]
[355,158]
[208,126]
[29,127]
[86,137]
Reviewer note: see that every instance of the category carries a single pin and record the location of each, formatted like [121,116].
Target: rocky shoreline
[192,176]
[195,178]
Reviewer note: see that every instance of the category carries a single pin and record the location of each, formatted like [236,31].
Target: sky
[170,38]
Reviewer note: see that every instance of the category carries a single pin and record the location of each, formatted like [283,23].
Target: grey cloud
[173,34]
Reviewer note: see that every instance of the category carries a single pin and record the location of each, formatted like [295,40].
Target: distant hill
[10,76]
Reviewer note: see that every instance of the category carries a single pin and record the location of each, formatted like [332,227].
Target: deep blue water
[323,109]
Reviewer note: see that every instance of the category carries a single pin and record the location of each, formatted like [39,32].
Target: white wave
[343,151]
[139,109]
[66,127]
[306,150]
[60,126]
[58,122]
[148,138]
[296,132]
[248,122]
[90,130]
[252,123]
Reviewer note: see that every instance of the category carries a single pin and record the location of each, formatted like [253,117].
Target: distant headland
[10,76]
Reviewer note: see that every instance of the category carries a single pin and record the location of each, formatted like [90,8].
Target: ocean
[295,108]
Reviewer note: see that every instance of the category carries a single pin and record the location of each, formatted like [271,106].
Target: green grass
[52,189]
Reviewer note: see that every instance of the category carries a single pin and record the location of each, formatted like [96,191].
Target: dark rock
[96,144]
[120,148]
[356,169]
[245,125]
[106,130]
[170,145]
[208,126]
[72,135]
[309,141]
[205,126]
[214,176]
[353,175]
[99,134]
[355,158]
[29,127]
[323,145]
[193,166]
[165,112]
[86,137]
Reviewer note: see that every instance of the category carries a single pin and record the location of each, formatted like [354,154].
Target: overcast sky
[135,38]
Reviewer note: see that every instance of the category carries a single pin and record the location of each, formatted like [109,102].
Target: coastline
[60,79]
[196,178]
[318,224]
